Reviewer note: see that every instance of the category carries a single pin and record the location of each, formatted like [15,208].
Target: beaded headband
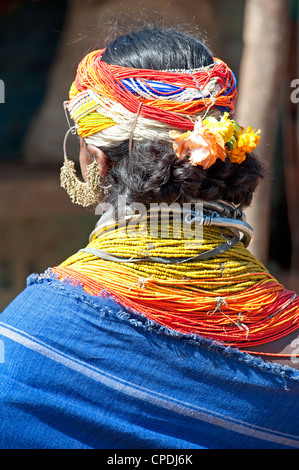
[109,103]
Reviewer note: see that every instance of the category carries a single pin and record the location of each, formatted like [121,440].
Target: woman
[139,340]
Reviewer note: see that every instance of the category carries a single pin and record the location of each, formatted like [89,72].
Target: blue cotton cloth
[82,372]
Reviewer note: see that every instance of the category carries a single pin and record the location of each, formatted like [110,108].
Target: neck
[187,219]
[210,253]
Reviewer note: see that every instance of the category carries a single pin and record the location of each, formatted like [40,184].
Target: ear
[89,153]
[101,158]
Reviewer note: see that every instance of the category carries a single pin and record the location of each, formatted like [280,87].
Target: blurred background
[41,43]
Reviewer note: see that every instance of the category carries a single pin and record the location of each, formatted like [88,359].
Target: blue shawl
[82,372]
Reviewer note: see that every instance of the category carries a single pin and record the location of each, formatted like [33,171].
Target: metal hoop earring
[85,194]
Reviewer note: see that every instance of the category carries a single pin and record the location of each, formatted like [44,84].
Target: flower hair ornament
[212,139]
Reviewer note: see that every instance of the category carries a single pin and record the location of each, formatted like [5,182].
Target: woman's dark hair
[157,49]
[152,172]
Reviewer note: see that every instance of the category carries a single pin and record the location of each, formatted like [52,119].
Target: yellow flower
[249,140]
[246,143]
[225,127]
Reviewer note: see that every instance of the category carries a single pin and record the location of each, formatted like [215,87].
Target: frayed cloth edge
[75,289]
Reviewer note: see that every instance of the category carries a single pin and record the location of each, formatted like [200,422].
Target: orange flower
[201,146]
[237,155]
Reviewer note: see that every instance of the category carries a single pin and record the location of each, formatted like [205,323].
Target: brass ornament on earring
[85,194]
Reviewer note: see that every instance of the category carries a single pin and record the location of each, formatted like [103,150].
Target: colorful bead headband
[106,100]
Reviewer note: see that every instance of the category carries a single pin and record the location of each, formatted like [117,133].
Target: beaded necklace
[230,297]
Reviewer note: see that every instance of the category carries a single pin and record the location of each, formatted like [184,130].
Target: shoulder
[284,351]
